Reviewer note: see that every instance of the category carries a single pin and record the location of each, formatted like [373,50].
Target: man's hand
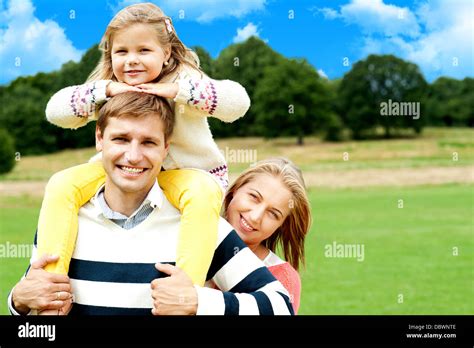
[173,295]
[165,90]
[42,290]
[114,88]
[61,311]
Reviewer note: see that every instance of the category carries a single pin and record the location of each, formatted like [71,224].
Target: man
[128,233]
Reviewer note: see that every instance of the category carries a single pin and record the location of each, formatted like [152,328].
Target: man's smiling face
[133,150]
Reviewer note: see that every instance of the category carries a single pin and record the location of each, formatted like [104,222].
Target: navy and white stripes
[112,268]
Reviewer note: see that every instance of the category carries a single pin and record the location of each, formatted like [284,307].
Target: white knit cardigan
[199,97]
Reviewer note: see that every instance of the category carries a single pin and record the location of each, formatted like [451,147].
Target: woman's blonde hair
[292,232]
[150,14]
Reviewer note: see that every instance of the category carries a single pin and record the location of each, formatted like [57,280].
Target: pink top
[287,276]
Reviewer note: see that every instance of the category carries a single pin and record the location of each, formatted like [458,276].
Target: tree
[24,102]
[467,97]
[333,126]
[290,99]
[377,80]
[245,63]
[7,152]
[22,113]
[450,102]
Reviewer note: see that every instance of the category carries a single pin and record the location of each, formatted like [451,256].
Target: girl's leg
[65,193]
[199,198]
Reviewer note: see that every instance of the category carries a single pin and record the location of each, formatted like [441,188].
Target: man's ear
[98,139]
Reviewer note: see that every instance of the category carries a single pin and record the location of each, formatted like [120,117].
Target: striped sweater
[112,268]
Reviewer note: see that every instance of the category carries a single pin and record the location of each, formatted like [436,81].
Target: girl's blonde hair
[291,234]
[150,14]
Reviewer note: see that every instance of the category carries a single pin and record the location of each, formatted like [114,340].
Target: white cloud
[322,74]
[28,45]
[246,32]
[437,35]
[328,13]
[203,10]
[374,16]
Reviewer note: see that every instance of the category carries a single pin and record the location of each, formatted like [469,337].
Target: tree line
[289,98]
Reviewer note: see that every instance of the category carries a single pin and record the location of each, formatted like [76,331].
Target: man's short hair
[137,104]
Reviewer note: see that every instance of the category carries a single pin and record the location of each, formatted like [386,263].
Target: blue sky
[40,35]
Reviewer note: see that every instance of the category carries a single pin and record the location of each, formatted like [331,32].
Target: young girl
[141,52]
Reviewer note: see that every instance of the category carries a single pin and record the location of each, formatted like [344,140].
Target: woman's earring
[166,63]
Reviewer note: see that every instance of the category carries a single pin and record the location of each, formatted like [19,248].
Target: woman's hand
[173,295]
[42,290]
[114,88]
[166,90]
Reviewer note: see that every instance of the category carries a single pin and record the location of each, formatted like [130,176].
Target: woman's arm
[248,287]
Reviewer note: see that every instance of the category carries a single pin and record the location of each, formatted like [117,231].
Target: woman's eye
[274,214]
[120,51]
[119,139]
[145,50]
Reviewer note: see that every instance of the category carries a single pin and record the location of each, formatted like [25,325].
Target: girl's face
[137,56]
[258,208]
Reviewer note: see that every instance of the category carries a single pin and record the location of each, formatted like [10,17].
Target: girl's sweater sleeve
[200,95]
[75,106]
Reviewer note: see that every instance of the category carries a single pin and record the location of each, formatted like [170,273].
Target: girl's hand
[114,88]
[166,90]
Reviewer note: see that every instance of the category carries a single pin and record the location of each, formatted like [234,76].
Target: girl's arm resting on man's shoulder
[75,106]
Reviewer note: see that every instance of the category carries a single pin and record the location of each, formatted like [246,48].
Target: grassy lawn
[407,251]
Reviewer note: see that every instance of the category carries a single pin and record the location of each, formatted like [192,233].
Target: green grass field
[407,251]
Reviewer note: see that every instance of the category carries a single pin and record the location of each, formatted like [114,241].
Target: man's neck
[125,203]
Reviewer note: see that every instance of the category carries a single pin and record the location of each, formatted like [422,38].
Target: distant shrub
[7,152]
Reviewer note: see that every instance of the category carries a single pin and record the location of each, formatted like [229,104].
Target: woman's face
[258,208]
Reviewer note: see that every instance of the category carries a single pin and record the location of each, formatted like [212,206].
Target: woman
[268,207]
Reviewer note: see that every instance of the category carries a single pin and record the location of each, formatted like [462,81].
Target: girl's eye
[146,50]
[253,195]
[120,51]
[274,214]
